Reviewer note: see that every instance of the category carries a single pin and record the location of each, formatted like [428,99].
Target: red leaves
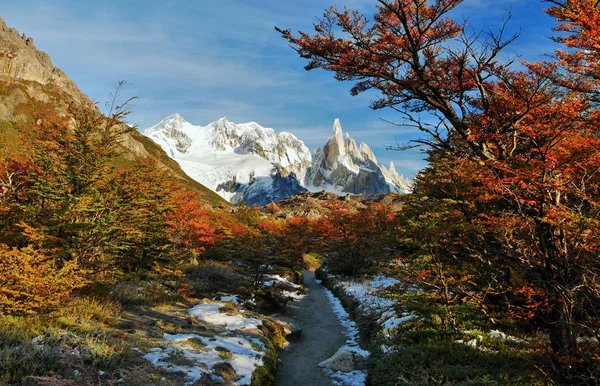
[190,224]
[580,20]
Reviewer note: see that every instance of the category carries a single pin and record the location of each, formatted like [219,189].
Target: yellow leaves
[32,282]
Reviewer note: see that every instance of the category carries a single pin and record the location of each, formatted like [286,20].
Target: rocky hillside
[314,204]
[27,74]
[19,59]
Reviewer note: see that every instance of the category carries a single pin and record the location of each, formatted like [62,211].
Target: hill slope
[27,75]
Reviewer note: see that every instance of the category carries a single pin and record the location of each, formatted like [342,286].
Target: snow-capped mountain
[240,162]
[343,167]
[252,164]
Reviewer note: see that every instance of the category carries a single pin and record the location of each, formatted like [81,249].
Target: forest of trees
[514,154]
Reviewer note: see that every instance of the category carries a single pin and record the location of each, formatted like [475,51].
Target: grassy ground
[443,346]
[95,340]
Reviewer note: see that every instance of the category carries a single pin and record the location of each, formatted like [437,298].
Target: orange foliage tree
[529,145]
[356,240]
[190,225]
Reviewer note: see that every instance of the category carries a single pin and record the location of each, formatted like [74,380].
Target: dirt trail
[321,338]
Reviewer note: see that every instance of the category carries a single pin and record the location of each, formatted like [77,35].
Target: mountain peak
[174,117]
[337,129]
[169,124]
[173,120]
[392,167]
[366,152]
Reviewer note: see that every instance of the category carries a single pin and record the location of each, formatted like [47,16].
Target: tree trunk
[559,317]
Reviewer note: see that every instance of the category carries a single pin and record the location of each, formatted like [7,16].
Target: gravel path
[321,338]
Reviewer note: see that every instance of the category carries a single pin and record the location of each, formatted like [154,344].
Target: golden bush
[31,281]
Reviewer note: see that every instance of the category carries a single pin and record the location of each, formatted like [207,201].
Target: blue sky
[211,58]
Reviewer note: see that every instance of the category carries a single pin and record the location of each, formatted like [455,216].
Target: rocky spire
[392,167]
[335,145]
[351,146]
[367,153]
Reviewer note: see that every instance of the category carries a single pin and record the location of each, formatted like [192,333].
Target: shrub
[211,276]
[32,282]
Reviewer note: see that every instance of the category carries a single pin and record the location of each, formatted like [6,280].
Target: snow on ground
[350,330]
[195,355]
[277,280]
[294,295]
[349,327]
[502,336]
[230,298]
[370,294]
[273,280]
[210,313]
[203,354]
[394,321]
[353,378]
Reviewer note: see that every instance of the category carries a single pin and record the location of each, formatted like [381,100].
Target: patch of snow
[230,298]
[368,292]
[352,378]
[294,295]
[370,295]
[394,322]
[502,336]
[209,313]
[350,330]
[470,343]
[349,327]
[244,356]
[276,279]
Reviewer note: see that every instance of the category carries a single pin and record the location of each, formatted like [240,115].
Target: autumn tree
[190,225]
[354,240]
[72,155]
[530,144]
[139,201]
[579,21]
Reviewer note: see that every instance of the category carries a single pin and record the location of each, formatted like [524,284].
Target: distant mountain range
[247,163]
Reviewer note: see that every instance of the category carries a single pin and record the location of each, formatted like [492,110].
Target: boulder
[345,360]
[291,327]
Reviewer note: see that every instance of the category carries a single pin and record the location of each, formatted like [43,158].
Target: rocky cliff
[342,167]
[20,59]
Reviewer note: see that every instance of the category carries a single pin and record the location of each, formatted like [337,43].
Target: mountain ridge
[248,163]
